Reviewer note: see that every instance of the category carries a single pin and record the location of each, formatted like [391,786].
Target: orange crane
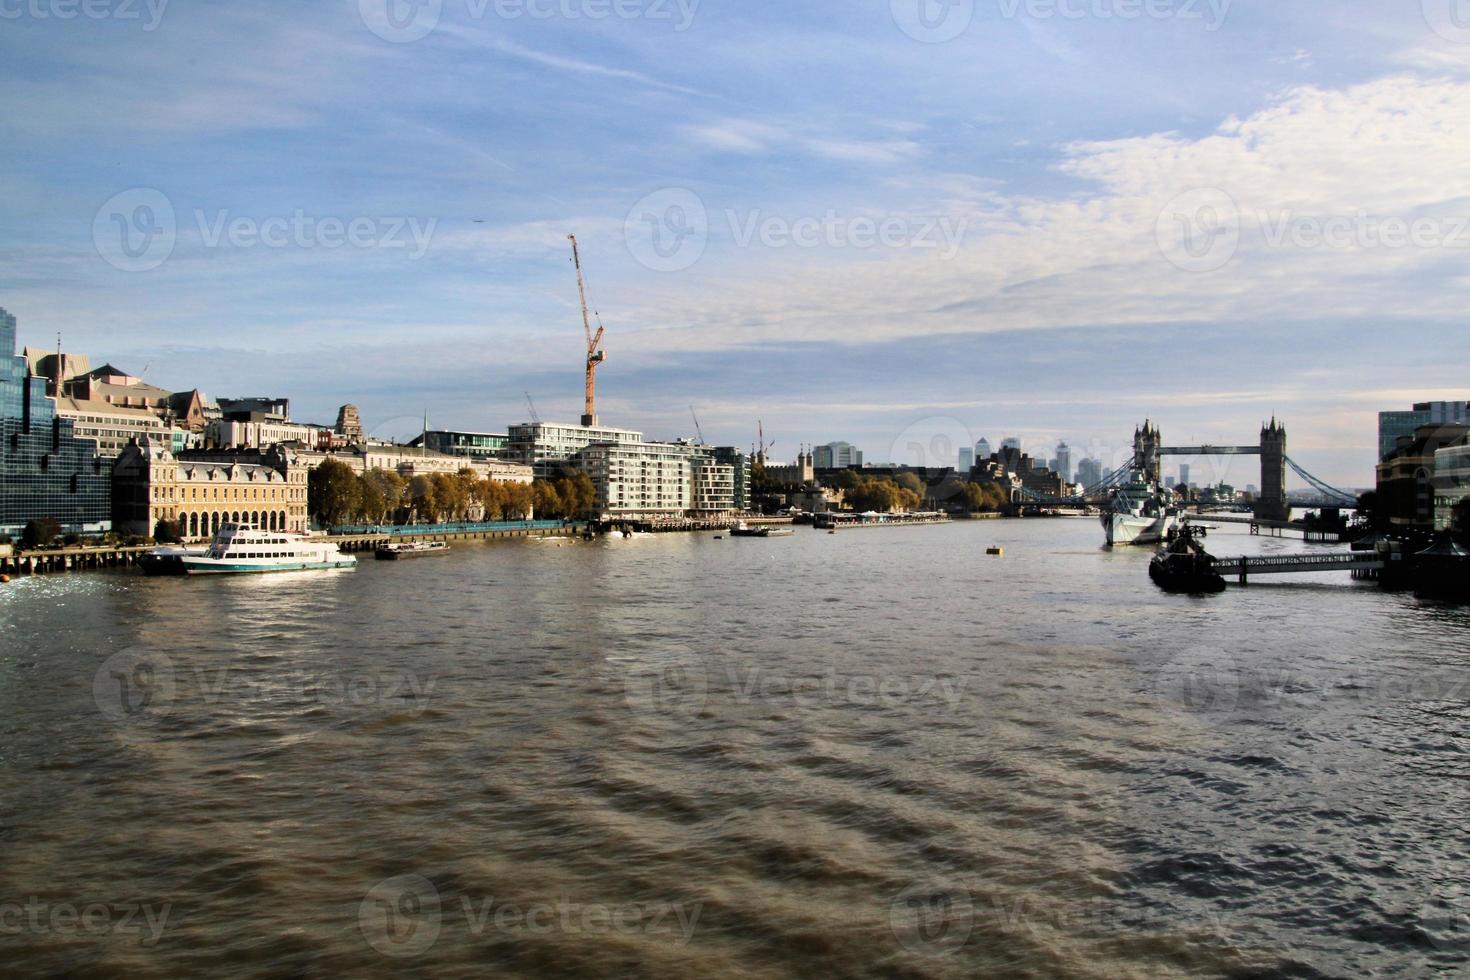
[595,354]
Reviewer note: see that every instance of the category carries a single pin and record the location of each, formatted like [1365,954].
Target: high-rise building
[1089,471]
[967,459]
[983,450]
[45,470]
[1184,474]
[838,456]
[1393,426]
[1011,442]
[1064,462]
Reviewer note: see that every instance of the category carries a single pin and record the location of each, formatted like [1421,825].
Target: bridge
[1148,452]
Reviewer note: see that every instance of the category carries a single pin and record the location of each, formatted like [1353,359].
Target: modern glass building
[45,470]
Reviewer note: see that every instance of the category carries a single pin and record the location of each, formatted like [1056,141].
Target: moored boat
[410,549]
[242,549]
[167,559]
[1185,566]
[1140,513]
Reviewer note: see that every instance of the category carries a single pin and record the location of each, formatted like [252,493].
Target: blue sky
[894,223]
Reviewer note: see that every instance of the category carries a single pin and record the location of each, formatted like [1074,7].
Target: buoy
[719,537]
[996,550]
[4,579]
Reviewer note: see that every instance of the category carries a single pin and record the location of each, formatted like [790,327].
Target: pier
[74,558]
[1259,524]
[1244,566]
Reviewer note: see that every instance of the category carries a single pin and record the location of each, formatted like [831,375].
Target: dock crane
[697,430]
[595,354]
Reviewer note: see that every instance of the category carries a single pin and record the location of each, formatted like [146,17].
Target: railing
[472,527]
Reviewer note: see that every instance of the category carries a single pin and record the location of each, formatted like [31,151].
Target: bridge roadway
[1209,450]
[1246,565]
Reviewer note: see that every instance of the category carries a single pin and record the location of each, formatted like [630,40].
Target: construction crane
[532,406]
[697,430]
[595,354]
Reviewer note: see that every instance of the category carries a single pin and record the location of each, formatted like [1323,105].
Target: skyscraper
[1392,425]
[1184,474]
[967,459]
[1064,461]
[1011,442]
[838,455]
[982,450]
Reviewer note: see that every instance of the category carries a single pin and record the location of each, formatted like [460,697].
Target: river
[876,753]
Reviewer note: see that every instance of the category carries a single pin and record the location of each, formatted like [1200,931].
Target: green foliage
[844,480]
[166,532]
[40,533]
[986,496]
[911,482]
[422,498]
[333,493]
[881,494]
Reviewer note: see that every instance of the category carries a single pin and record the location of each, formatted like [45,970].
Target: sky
[907,224]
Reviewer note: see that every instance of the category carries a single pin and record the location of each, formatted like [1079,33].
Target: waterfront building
[1063,465]
[1393,426]
[739,464]
[967,459]
[657,479]
[982,450]
[71,377]
[45,470]
[1451,481]
[199,491]
[546,446]
[837,456]
[1406,478]
[474,445]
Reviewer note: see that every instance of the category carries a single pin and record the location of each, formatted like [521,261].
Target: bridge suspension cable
[1331,492]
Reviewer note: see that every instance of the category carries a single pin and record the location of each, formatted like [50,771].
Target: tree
[546,500]
[491,497]
[166,532]
[844,480]
[421,498]
[519,501]
[911,481]
[333,492]
[387,491]
[466,486]
[40,533]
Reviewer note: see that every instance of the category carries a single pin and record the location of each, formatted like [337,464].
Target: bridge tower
[1146,445]
[1272,505]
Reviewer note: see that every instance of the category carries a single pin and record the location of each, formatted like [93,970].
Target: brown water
[872,754]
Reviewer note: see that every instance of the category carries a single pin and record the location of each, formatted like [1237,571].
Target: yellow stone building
[203,490]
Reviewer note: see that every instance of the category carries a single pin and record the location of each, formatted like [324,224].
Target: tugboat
[1185,566]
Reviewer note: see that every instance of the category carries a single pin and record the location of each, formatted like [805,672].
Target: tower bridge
[1147,463]
[1271,503]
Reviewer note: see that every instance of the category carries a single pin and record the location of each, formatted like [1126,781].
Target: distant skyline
[849,222]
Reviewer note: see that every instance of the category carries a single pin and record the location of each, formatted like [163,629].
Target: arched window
[193,525]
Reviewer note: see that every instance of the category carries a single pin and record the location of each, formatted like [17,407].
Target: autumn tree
[333,493]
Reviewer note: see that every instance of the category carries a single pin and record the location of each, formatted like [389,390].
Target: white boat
[240,549]
[1140,514]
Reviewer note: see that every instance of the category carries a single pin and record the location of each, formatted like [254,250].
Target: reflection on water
[874,753]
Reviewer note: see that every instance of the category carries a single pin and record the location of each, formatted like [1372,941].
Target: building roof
[96,406]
